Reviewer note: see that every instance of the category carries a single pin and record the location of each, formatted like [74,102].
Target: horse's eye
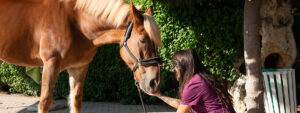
[143,41]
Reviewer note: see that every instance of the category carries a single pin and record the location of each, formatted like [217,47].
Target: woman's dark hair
[188,65]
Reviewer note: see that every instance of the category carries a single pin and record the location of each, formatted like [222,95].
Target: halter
[143,62]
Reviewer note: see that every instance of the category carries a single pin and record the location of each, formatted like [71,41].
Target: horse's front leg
[49,78]
[76,80]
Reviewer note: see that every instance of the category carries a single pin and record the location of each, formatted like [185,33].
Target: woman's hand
[157,94]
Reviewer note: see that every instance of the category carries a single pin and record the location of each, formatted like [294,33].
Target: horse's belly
[78,58]
[28,62]
[23,54]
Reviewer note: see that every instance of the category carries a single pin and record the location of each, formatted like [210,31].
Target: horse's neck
[105,15]
[100,32]
[91,26]
[94,28]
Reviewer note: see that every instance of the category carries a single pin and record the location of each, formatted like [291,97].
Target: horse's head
[139,49]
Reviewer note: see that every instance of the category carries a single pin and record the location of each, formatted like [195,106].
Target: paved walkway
[18,104]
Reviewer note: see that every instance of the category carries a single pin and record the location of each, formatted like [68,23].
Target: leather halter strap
[143,62]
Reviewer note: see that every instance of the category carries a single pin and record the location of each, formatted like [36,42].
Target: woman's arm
[169,100]
[184,108]
[173,102]
[176,104]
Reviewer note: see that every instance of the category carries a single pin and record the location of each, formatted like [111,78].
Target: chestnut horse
[65,34]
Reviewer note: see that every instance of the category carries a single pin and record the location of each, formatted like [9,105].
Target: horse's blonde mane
[116,12]
[113,11]
[152,29]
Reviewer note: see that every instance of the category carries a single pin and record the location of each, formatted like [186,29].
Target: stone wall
[278,43]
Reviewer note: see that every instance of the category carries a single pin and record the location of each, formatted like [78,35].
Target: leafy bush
[212,28]
[14,78]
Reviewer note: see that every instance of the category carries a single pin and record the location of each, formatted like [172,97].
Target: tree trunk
[252,53]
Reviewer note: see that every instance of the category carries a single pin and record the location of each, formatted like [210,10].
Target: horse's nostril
[153,83]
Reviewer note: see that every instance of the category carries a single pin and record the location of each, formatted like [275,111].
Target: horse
[65,34]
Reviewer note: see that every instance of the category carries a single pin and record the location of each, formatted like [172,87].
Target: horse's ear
[137,18]
[149,10]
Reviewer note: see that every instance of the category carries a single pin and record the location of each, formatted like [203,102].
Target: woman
[200,92]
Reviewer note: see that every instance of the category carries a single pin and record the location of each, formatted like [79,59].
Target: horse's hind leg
[49,78]
[76,80]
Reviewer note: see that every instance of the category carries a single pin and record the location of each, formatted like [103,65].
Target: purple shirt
[198,93]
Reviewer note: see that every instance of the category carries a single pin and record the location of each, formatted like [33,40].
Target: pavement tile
[19,104]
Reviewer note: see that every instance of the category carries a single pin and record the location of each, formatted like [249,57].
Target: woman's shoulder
[196,79]
[195,83]
[193,91]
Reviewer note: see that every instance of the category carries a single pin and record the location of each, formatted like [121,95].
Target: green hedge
[14,80]
[213,28]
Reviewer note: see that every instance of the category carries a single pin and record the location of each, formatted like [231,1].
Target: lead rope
[140,94]
[138,88]
[142,100]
